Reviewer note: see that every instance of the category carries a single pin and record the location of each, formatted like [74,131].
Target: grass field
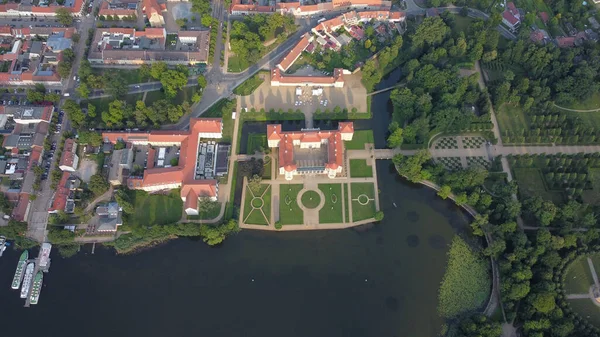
[360,169]
[289,211]
[155,209]
[262,204]
[531,184]
[360,138]
[236,64]
[332,209]
[511,119]
[593,102]
[248,86]
[256,142]
[578,277]
[310,199]
[587,310]
[130,76]
[359,191]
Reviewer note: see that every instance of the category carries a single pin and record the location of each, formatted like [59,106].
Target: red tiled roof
[20,210]
[508,16]
[62,194]
[544,16]
[565,41]
[291,57]
[337,77]
[68,154]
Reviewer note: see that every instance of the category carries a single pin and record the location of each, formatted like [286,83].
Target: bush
[278,225]
[466,283]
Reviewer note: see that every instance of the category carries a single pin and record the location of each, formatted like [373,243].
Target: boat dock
[42,263]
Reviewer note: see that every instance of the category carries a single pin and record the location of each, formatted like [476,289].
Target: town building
[69,159]
[195,171]
[121,163]
[29,61]
[511,16]
[336,80]
[107,219]
[153,12]
[118,9]
[43,8]
[245,7]
[310,151]
[64,196]
[128,46]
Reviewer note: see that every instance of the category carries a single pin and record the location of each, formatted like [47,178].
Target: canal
[379,280]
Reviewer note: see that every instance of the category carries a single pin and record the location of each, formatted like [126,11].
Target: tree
[157,69]
[180,22]
[60,236]
[431,31]
[254,184]
[395,139]
[172,81]
[74,112]
[64,16]
[123,200]
[444,192]
[544,302]
[83,90]
[98,185]
[34,96]
[90,138]
[214,235]
[116,86]
[202,81]
[378,216]
[114,115]
[411,166]
[75,37]
[479,326]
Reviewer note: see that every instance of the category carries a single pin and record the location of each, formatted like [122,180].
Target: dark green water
[377,281]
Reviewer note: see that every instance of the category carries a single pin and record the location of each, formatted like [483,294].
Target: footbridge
[386,89]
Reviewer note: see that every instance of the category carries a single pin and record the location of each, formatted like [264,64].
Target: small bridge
[390,153]
[386,89]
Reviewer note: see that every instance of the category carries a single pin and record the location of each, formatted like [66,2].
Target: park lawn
[130,76]
[347,203]
[592,102]
[249,85]
[289,211]
[596,261]
[332,209]
[578,277]
[236,64]
[593,196]
[210,212]
[256,142]
[362,212]
[511,119]
[462,23]
[255,216]
[531,184]
[155,209]
[183,95]
[360,138]
[360,169]
[153,96]
[587,310]
[224,108]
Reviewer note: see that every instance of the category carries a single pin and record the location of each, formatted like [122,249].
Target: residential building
[108,218]
[64,196]
[153,12]
[41,9]
[118,9]
[69,159]
[295,53]
[511,16]
[195,170]
[310,151]
[127,46]
[120,163]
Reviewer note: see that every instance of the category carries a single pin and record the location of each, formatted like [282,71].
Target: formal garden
[257,205]
[289,211]
[363,201]
[331,212]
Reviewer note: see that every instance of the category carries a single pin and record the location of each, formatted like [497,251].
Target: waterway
[379,280]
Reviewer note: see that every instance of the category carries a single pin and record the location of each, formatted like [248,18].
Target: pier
[42,262]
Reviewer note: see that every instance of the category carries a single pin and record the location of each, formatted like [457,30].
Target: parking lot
[87,168]
[352,95]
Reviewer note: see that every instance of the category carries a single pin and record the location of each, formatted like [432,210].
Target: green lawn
[462,23]
[511,119]
[311,199]
[359,191]
[183,95]
[578,277]
[249,85]
[332,209]
[256,142]
[155,209]
[360,138]
[130,76]
[593,102]
[208,213]
[289,211]
[253,215]
[531,184]
[347,203]
[223,108]
[587,310]
[360,169]
[236,64]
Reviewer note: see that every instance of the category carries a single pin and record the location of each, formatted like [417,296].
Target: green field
[236,64]
[209,213]
[289,211]
[587,310]
[511,119]
[256,205]
[531,184]
[332,209]
[310,199]
[359,191]
[155,209]
[248,86]
[578,277]
[130,76]
[360,138]
[223,108]
[256,143]
[360,169]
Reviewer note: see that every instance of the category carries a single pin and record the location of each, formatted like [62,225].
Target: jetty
[42,263]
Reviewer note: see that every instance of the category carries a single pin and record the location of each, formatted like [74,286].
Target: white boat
[2,244]
[37,287]
[16,283]
[27,280]
[45,255]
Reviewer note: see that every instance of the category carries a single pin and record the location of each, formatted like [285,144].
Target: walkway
[106,196]
[575,110]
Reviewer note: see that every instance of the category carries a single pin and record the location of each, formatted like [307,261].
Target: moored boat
[27,280]
[16,283]
[2,244]
[36,288]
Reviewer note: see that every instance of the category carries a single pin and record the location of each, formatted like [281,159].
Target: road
[38,215]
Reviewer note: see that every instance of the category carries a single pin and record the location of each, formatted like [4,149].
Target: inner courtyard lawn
[289,211]
[363,201]
[332,209]
[360,169]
